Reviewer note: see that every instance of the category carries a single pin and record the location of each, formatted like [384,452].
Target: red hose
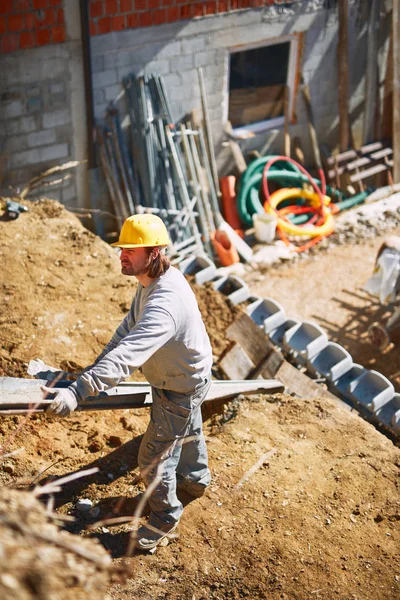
[302,169]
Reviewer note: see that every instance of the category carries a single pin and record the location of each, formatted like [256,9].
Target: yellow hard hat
[140,231]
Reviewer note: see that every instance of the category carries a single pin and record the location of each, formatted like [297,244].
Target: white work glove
[63,404]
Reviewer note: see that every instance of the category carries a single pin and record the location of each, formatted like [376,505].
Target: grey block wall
[35,117]
[175,50]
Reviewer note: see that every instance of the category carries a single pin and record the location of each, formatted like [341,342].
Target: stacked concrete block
[267,314]
[332,362]
[233,287]
[345,383]
[389,414]
[276,335]
[372,390]
[304,340]
[201,267]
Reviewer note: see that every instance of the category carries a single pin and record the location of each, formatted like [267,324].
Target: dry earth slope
[318,518]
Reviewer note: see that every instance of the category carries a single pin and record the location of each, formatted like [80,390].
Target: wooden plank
[371,147]
[381,153]
[223,390]
[236,364]
[299,384]
[17,395]
[311,127]
[286,135]
[333,173]
[371,75]
[237,154]
[356,164]
[338,158]
[343,73]
[368,173]
[250,337]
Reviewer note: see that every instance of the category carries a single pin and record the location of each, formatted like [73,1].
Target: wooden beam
[237,153]
[368,173]
[371,76]
[250,337]
[18,395]
[343,74]
[396,90]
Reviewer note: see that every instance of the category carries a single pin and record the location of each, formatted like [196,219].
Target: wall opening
[258,77]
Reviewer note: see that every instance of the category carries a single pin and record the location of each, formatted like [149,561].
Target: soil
[305,495]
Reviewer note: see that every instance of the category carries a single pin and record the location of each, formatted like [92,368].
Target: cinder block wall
[36,120]
[177,38]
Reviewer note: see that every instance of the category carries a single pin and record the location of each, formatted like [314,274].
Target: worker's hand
[63,404]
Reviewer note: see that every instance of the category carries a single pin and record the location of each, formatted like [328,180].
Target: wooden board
[17,395]
[250,337]
[236,364]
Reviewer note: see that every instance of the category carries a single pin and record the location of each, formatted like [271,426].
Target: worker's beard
[129,269]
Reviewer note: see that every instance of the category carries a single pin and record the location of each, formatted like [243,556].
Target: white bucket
[265,226]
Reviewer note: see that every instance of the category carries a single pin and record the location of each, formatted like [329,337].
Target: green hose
[248,201]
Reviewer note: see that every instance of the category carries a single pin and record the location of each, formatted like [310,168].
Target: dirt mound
[40,561]
[62,293]
[304,500]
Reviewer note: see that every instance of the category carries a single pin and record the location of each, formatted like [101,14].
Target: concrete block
[34,104]
[112,92]
[98,63]
[233,287]
[161,67]
[15,143]
[181,63]
[208,57]
[201,267]
[21,159]
[122,58]
[104,78]
[56,117]
[53,152]
[15,108]
[276,335]
[267,314]
[99,96]
[173,80]
[22,125]
[389,414]
[57,87]
[304,341]
[341,387]
[173,48]
[194,45]
[372,390]
[41,138]
[332,362]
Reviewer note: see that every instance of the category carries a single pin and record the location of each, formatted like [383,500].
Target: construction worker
[164,334]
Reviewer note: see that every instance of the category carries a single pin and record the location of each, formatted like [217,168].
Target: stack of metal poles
[165,169]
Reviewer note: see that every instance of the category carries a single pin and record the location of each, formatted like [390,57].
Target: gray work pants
[173,444]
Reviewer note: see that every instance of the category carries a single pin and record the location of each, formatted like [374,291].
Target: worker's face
[134,261]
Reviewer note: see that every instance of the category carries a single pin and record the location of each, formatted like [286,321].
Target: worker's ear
[155,252]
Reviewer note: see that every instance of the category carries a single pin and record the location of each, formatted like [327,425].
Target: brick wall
[116,15]
[30,23]
[37,60]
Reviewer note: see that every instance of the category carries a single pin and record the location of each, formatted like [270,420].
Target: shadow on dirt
[353,335]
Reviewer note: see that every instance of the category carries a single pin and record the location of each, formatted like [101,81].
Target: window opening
[257,78]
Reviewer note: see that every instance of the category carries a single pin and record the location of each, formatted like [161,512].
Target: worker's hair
[157,265]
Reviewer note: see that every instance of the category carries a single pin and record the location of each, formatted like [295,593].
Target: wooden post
[371,76]
[343,75]
[396,90]
[286,114]
[387,108]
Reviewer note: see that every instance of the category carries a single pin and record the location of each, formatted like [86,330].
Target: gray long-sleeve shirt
[163,333]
